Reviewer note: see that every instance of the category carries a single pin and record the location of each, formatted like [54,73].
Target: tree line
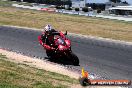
[119,1]
[59,2]
[52,2]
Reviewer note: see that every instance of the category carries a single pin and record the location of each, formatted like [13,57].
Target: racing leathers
[47,40]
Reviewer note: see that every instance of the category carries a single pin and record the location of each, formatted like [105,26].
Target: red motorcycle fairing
[40,41]
[47,47]
[68,43]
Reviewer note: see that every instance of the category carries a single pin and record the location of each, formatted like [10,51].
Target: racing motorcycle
[62,48]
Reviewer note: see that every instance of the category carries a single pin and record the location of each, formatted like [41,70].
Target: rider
[47,37]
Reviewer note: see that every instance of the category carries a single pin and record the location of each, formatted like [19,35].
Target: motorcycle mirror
[66,33]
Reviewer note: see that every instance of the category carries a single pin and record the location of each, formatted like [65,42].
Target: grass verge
[14,75]
[106,28]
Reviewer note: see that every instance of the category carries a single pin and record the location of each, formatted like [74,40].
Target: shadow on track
[62,61]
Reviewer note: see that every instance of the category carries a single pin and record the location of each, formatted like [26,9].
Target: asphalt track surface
[107,62]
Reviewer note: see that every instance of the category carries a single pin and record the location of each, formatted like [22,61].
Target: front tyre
[75,59]
[49,53]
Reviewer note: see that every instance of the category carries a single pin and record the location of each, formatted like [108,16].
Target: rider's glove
[52,48]
[47,47]
[42,44]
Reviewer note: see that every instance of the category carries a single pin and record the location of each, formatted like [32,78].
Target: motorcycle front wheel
[49,53]
[75,59]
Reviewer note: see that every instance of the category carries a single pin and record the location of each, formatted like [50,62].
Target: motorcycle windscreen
[60,41]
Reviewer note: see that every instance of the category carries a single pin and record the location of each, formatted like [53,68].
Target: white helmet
[48,28]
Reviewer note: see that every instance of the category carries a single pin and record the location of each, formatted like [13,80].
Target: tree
[85,9]
[77,9]
[125,2]
[69,8]
[53,2]
[66,2]
[98,10]
[115,1]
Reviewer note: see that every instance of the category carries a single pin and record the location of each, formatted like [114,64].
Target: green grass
[5,3]
[13,75]
[106,28]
